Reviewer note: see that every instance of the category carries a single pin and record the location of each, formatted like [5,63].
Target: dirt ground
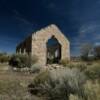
[14,85]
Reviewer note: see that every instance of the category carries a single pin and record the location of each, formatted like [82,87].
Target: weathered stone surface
[36,44]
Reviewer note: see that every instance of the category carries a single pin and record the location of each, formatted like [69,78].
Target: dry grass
[13,85]
[92,90]
[92,87]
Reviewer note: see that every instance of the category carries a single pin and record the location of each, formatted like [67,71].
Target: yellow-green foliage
[64,62]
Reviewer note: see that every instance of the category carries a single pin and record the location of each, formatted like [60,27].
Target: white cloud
[88,33]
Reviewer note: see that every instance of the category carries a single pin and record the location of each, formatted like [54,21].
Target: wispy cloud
[88,28]
[16,14]
[87,33]
[21,18]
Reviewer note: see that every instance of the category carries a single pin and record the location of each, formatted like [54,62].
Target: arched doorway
[53,50]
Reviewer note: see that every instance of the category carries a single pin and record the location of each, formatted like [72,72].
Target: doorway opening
[53,51]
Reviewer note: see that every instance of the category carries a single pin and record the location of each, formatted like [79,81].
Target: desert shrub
[35,68]
[4,58]
[89,63]
[28,60]
[22,61]
[92,90]
[58,84]
[80,66]
[15,61]
[85,49]
[64,62]
[32,60]
[93,72]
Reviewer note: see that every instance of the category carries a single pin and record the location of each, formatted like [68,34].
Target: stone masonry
[35,44]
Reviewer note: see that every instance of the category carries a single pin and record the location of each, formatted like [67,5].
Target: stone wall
[40,38]
[36,44]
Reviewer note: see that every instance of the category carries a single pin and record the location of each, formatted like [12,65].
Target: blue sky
[79,20]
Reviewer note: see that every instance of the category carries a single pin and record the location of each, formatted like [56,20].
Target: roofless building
[46,44]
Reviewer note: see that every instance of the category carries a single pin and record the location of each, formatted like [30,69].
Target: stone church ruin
[49,45]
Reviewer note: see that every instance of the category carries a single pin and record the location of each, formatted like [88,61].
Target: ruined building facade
[36,44]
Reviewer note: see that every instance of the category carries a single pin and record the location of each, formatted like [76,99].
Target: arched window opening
[53,51]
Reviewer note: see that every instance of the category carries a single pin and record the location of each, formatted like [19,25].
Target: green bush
[22,61]
[58,84]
